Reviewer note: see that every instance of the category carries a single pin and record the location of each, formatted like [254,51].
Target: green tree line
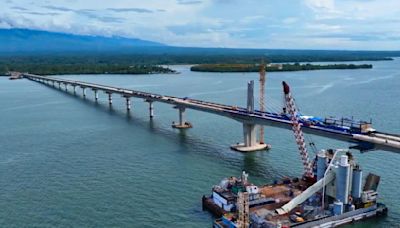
[273,68]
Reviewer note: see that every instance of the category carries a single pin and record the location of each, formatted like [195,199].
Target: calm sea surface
[69,162]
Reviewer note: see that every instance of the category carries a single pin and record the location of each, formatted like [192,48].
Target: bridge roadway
[372,141]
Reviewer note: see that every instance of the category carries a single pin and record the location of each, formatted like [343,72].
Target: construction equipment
[307,193]
[296,127]
[243,210]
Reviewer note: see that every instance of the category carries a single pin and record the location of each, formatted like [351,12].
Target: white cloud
[317,5]
[290,20]
[324,27]
[219,23]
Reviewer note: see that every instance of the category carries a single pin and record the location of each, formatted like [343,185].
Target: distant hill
[26,40]
[27,46]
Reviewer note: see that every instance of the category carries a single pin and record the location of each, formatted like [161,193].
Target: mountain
[27,40]
[81,48]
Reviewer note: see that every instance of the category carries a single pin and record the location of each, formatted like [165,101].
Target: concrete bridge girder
[248,119]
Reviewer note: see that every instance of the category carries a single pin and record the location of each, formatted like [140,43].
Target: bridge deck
[377,140]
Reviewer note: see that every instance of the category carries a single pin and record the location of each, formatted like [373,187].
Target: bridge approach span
[363,142]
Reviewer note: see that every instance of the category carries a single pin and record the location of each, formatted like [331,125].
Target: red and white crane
[298,133]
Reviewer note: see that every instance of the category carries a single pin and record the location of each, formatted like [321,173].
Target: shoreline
[243,68]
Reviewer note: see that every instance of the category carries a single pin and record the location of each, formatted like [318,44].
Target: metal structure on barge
[336,195]
[330,193]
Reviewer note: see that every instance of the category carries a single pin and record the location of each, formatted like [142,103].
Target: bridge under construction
[364,139]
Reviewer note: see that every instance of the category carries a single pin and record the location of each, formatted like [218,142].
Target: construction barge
[334,196]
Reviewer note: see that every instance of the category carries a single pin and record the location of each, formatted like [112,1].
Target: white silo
[342,180]
[356,186]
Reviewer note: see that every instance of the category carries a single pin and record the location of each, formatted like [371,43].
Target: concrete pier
[182,124]
[128,103]
[151,108]
[249,129]
[84,91]
[109,98]
[96,95]
[59,85]
[74,86]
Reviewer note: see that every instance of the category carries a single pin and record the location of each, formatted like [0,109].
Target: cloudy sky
[316,24]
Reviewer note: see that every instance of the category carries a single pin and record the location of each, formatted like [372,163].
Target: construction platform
[241,147]
[185,125]
[334,195]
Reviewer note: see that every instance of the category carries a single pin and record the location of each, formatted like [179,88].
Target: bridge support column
[249,135]
[182,123]
[74,86]
[151,108]
[59,85]
[66,86]
[128,103]
[84,92]
[96,95]
[53,83]
[249,129]
[109,98]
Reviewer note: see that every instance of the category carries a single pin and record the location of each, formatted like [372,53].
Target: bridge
[249,117]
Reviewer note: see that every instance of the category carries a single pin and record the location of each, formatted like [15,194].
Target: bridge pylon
[249,129]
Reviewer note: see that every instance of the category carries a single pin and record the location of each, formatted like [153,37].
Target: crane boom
[298,133]
[330,176]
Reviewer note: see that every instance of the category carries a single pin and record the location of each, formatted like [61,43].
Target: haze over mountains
[26,40]
[16,41]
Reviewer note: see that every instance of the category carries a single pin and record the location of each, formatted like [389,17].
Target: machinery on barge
[330,193]
[334,196]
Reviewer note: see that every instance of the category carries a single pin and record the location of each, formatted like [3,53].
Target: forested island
[274,68]
[102,68]
[152,60]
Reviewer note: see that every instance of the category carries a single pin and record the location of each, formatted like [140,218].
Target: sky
[289,24]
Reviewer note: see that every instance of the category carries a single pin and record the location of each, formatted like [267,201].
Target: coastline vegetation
[274,68]
[149,61]
[63,69]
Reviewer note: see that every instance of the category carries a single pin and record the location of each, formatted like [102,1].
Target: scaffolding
[243,210]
